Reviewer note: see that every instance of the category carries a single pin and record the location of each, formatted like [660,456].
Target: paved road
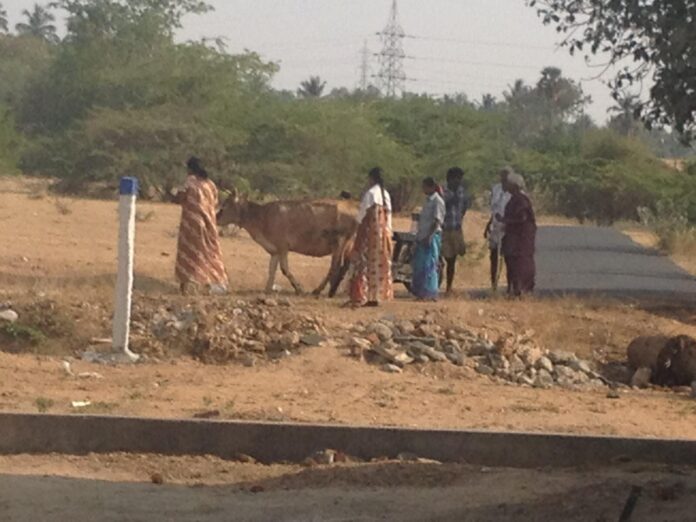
[594,260]
[435,493]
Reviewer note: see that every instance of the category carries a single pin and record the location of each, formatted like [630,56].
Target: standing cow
[311,228]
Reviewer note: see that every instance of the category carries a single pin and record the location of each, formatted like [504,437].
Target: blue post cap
[129,186]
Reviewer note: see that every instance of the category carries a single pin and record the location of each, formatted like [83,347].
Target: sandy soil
[119,487]
[65,250]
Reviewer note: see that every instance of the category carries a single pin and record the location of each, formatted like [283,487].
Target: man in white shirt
[495,230]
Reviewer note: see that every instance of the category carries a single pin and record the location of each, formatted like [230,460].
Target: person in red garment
[199,262]
[519,242]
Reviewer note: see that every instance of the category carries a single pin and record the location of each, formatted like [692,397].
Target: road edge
[272,443]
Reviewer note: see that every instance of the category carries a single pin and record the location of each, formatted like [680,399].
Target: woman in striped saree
[199,257]
[371,280]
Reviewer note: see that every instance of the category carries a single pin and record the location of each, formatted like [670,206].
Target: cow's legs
[272,270]
[323,284]
[285,268]
[330,275]
[339,276]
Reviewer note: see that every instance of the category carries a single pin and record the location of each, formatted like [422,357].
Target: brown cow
[311,228]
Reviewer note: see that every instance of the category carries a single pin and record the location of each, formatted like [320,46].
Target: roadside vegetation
[118,94]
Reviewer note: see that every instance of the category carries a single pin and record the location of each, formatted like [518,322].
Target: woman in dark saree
[519,242]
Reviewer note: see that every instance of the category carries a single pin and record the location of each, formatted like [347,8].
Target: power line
[467,62]
[391,60]
[435,81]
[477,42]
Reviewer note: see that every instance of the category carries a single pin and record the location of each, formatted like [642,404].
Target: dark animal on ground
[676,364]
[643,351]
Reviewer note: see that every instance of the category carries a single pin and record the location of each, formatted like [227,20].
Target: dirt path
[117,487]
[323,385]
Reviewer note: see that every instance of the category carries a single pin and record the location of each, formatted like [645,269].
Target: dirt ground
[63,250]
[120,487]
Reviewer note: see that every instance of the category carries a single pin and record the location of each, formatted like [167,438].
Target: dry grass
[144,217]
[681,246]
[63,207]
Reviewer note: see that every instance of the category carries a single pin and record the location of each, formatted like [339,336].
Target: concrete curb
[267,442]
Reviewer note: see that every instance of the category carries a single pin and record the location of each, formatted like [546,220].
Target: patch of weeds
[43,404]
[99,407]
[37,192]
[62,207]
[47,317]
[17,333]
[207,401]
[229,407]
[136,395]
[524,408]
[446,391]
[144,217]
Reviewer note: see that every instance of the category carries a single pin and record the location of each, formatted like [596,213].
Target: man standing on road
[495,230]
[456,205]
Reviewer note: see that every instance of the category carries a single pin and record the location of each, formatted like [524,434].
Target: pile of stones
[512,359]
[222,331]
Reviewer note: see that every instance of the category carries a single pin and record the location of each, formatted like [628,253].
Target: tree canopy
[312,87]
[651,42]
[4,25]
[39,24]
[119,94]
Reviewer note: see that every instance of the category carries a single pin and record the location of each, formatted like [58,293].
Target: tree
[311,88]
[39,24]
[564,96]
[625,113]
[3,20]
[538,115]
[648,41]
[488,102]
[88,18]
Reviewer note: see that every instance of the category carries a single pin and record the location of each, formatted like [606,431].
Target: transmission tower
[391,74]
[364,67]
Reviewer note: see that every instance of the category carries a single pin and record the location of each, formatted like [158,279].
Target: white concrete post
[124,279]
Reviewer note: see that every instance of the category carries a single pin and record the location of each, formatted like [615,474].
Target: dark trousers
[495,262]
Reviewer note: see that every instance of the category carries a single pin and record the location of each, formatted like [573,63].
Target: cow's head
[233,209]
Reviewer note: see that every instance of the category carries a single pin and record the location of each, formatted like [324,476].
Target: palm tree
[517,90]
[39,24]
[312,88]
[3,20]
[624,118]
[488,102]
[551,83]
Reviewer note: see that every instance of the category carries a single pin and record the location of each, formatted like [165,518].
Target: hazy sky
[470,46]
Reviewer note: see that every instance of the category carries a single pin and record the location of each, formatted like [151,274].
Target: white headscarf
[516,179]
